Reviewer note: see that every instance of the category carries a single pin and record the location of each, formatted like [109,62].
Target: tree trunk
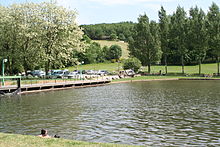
[47,65]
[149,69]
[218,66]
[25,66]
[182,60]
[165,61]
[200,67]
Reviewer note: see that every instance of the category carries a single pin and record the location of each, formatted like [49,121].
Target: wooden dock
[32,88]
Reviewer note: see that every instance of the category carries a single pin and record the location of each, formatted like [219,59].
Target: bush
[132,63]
[115,52]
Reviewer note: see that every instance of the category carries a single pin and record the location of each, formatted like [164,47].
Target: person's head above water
[43,132]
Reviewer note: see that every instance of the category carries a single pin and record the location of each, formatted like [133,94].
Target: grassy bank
[12,140]
[146,78]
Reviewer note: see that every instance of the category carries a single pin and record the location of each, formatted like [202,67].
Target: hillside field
[123,45]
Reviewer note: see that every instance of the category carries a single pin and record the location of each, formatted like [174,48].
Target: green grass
[193,69]
[145,78]
[123,45]
[13,140]
[113,67]
[100,66]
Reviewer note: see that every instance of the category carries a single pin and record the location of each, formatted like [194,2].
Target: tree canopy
[38,35]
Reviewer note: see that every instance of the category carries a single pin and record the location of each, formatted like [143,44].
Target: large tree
[60,34]
[214,32]
[164,33]
[178,26]
[25,19]
[39,35]
[9,39]
[198,34]
[146,43]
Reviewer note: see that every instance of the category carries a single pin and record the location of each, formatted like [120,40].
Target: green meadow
[114,67]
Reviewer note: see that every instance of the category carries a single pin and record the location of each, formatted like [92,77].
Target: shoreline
[35,88]
[18,140]
[45,87]
[145,80]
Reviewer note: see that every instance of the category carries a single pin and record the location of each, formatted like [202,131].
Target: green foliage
[132,63]
[121,37]
[213,26]
[164,33]
[94,53]
[113,36]
[86,39]
[178,28]
[105,31]
[114,52]
[197,35]
[146,44]
[38,35]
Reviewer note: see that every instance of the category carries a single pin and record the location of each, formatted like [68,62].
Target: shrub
[132,63]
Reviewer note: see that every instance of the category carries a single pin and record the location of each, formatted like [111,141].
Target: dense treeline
[121,31]
[178,38]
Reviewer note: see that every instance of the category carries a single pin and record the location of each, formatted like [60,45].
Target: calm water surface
[160,113]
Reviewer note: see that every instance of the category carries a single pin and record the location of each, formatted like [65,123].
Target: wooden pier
[32,88]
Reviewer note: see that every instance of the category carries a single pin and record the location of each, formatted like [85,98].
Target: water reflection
[168,113]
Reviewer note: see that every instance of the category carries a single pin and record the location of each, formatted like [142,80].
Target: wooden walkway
[31,88]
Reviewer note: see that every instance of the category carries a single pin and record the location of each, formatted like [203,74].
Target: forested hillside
[121,31]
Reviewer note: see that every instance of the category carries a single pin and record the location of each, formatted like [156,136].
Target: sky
[113,11]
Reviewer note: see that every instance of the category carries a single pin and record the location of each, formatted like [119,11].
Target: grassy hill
[123,45]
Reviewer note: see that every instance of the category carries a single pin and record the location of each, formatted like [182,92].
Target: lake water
[159,113]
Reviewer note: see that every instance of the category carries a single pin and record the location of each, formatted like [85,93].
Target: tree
[178,24]
[8,39]
[25,20]
[164,33]
[146,43]
[214,32]
[105,50]
[60,35]
[121,37]
[132,63]
[198,34]
[113,37]
[115,52]
[93,53]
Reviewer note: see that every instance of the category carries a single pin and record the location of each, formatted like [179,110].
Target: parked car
[102,72]
[90,72]
[70,75]
[59,73]
[130,72]
[38,73]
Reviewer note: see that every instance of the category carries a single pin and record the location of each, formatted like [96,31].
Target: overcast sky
[111,11]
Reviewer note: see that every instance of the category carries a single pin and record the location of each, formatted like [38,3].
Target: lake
[158,113]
